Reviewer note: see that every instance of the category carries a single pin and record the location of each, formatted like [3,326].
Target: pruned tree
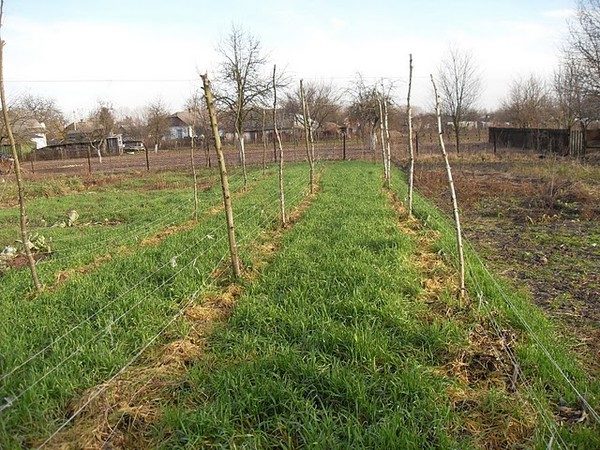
[45,111]
[212,113]
[16,167]
[460,88]
[364,110]
[243,83]
[157,124]
[459,244]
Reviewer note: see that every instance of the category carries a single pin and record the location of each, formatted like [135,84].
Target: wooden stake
[195,179]
[307,138]
[17,169]
[385,174]
[411,155]
[264,141]
[210,105]
[281,189]
[461,258]
[388,152]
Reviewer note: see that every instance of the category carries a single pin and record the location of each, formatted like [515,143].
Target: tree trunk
[210,105]
[242,152]
[278,138]
[461,258]
[147,158]
[457,136]
[17,169]
[89,159]
[307,139]
[155,147]
[411,156]
[207,152]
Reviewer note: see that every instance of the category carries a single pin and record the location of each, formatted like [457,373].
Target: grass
[118,306]
[340,350]
[330,351]
[350,338]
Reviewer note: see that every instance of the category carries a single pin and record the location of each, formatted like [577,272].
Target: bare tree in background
[323,101]
[243,83]
[584,43]
[460,88]
[528,103]
[17,168]
[98,127]
[364,109]
[157,123]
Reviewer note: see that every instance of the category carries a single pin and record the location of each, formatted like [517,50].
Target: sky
[131,52]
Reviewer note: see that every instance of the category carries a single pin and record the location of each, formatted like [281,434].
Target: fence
[562,142]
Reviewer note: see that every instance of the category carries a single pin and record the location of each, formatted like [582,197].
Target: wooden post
[148,157]
[17,169]
[307,126]
[388,150]
[278,138]
[385,175]
[195,178]
[210,105]
[32,160]
[495,139]
[344,145]
[461,258]
[411,156]
[264,141]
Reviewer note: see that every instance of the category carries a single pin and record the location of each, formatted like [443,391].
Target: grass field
[349,335]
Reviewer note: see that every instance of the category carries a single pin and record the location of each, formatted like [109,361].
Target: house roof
[184,117]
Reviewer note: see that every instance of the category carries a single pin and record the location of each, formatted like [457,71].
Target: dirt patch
[538,223]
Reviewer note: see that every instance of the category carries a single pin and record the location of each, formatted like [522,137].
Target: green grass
[119,307]
[328,349]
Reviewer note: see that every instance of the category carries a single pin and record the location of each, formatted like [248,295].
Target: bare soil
[538,223]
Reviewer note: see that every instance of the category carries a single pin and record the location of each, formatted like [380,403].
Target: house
[28,133]
[181,126]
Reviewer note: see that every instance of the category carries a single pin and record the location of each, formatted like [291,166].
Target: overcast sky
[130,52]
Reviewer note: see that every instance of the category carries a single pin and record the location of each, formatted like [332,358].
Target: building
[181,126]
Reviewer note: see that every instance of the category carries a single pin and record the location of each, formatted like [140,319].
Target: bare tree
[528,103]
[364,109]
[584,42]
[45,111]
[323,101]
[460,88]
[16,167]
[97,128]
[157,123]
[243,83]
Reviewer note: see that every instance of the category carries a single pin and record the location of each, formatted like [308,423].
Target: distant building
[181,126]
